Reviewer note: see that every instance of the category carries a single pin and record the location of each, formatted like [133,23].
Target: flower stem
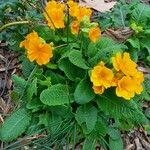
[28,81]
[13,23]
[61,45]
[68,21]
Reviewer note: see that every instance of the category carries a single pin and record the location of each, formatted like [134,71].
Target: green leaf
[92,50]
[114,133]
[89,143]
[141,13]
[55,122]
[55,95]
[104,49]
[134,55]
[105,20]
[34,127]
[134,42]
[45,82]
[119,108]
[84,92]
[147,31]
[147,112]
[51,66]
[44,119]
[34,104]
[70,70]
[32,89]
[15,125]
[101,127]
[86,116]
[55,77]
[62,111]
[19,84]
[136,28]
[27,67]
[146,92]
[45,33]
[116,144]
[119,16]
[75,57]
[146,44]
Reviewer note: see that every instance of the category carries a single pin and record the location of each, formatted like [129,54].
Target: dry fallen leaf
[3,104]
[6,107]
[1,119]
[119,35]
[98,5]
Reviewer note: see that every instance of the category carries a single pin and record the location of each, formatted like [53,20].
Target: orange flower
[124,64]
[94,34]
[126,88]
[138,78]
[102,76]
[78,12]
[128,80]
[83,11]
[98,89]
[37,49]
[73,8]
[54,14]
[75,26]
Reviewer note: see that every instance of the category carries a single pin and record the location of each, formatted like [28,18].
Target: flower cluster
[56,14]
[131,79]
[125,77]
[41,52]
[82,16]
[78,12]
[37,49]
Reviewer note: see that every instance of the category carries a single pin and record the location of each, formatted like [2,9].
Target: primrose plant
[77,83]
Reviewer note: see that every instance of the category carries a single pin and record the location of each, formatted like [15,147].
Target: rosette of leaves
[61,93]
[58,103]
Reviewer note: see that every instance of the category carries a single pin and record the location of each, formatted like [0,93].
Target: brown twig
[9,68]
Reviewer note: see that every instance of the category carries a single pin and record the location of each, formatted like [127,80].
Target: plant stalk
[13,23]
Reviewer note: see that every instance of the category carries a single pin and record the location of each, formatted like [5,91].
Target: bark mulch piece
[137,139]
[9,65]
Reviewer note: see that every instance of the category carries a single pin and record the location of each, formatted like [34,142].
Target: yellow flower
[102,76]
[126,88]
[98,89]
[128,80]
[75,26]
[124,64]
[117,60]
[73,8]
[78,12]
[138,78]
[94,34]
[37,49]
[83,11]
[54,14]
